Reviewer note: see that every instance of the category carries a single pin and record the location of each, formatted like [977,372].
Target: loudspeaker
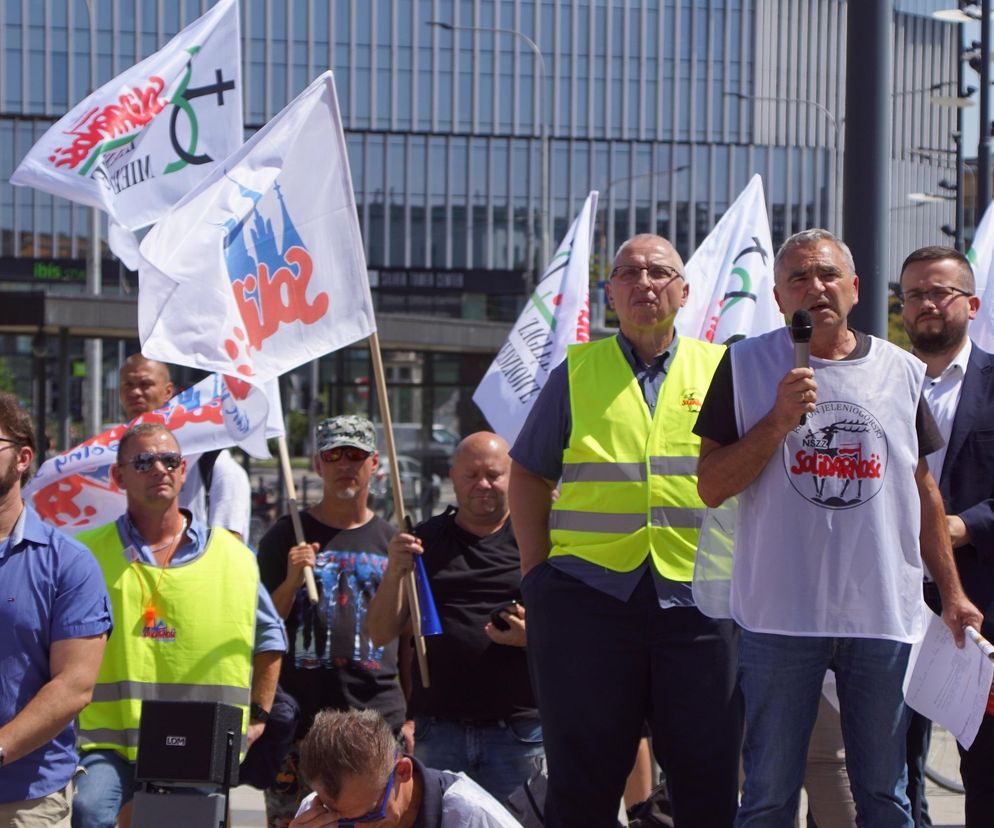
[175,806]
[188,742]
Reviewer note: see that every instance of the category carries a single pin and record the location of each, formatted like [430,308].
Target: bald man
[615,637]
[217,490]
[479,715]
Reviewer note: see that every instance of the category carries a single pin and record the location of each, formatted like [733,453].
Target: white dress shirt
[942,394]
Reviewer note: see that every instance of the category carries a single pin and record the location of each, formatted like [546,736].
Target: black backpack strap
[205,465]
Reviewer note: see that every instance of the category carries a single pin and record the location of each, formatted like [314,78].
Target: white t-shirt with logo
[231,494]
[826,538]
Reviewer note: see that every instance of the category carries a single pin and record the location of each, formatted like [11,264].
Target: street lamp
[546,210]
[837,124]
[969,13]
[930,198]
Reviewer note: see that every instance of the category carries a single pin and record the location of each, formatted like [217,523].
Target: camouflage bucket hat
[346,430]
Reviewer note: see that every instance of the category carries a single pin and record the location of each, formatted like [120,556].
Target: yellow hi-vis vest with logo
[198,649]
[629,484]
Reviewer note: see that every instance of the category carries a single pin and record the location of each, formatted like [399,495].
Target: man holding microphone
[836,511]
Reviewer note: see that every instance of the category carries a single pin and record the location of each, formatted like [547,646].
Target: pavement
[247,808]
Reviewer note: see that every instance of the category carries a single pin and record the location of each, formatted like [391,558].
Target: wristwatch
[257,713]
[1,756]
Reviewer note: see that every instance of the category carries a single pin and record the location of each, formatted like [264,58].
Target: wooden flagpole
[410,585]
[298,530]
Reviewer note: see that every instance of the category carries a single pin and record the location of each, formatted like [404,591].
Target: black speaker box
[188,742]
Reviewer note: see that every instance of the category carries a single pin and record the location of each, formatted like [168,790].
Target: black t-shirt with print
[471,676]
[332,662]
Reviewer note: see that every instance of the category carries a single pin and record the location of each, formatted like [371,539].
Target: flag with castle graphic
[261,268]
[138,143]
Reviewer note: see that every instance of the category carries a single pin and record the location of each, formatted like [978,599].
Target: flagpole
[298,529]
[410,585]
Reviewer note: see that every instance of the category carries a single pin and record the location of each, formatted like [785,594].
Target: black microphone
[800,332]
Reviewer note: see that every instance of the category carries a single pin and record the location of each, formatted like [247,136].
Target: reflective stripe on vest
[676,517]
[149,691]
[629,481]
[621,472]
[203,642]
[107,736]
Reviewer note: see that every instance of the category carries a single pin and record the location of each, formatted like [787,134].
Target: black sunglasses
[145,461]
[351,453]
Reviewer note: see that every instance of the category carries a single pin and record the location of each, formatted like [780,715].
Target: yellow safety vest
[199,647]
[629,485]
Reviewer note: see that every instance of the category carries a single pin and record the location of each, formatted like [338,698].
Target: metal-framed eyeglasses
[938,295]
[632,274]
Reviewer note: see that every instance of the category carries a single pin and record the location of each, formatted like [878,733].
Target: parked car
[421,491]
[435,454]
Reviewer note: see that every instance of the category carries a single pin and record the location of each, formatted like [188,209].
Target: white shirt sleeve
[231,496]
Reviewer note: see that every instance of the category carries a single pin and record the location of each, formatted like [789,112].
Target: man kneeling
[352,762]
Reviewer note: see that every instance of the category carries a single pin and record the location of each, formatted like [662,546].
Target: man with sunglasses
[937,303]
[351,761]
[193,622]
[55,617]
[332,662]
[217,490]
[614,636]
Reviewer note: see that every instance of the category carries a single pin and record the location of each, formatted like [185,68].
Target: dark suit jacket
[967,482]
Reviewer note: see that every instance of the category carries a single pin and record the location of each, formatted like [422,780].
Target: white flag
[75,491]
[731,275]
[981,256]
[261,268]
[140,142]
[557,315]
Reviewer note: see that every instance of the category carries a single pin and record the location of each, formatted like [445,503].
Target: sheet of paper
[948,685]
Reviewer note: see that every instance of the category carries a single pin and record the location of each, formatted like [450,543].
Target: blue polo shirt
[51,589]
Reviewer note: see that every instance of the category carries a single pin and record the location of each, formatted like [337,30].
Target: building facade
[666,107]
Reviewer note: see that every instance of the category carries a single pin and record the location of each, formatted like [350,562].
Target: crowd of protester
[562,578]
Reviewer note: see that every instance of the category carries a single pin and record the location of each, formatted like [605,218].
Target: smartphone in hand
[498,620]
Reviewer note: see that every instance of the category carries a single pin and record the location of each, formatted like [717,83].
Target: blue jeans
[499,756]
[781,678]
[108,785]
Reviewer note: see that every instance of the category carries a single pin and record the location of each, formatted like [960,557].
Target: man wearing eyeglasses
[217,490]
[333,661]
[55,617]
[614,636]
[836,512]
[938,302]
[351,761]
[193,622]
